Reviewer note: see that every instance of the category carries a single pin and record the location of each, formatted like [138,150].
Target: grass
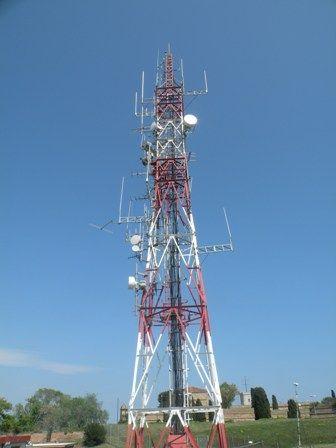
[277,433]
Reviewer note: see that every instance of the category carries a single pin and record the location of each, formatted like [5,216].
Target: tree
[24,421]
[260,403]
[274,403]
[292,408]
[49,410]
[333,393]
[45,408]
[6,420]
[199,416]
[5,407]
[94,434]
[228,393]
[163,399]
[77,412]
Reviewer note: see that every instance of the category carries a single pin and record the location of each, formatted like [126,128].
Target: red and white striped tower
[174,343]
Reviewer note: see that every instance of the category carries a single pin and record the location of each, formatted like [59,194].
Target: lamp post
[296,385]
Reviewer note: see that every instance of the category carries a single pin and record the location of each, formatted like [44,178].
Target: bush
[94,434]
[292,408]
[274,403]
[260,403]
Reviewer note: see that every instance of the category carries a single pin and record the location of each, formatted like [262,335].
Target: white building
[245,398]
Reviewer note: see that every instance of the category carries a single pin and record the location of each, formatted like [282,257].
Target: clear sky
[265,149]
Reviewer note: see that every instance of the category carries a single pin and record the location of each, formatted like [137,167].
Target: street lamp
[296,385]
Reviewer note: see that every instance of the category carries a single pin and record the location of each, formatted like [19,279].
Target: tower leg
[222,439]
[135,437]
[218,428]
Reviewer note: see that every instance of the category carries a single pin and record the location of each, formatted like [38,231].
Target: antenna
[227,225]
[121,197]
[142,97]
[205,81]
[182,73]
[136,104]
[245,383]
[157,67]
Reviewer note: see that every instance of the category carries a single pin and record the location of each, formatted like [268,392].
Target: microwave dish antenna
[190,121]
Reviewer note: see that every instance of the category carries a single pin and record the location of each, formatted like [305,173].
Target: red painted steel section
[222,438]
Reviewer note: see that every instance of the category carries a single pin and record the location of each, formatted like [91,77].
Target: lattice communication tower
[174,343]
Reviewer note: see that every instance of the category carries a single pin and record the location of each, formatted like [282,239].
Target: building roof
[14,439]
[193,390]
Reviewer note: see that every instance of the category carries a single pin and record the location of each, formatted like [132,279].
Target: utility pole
[296,385]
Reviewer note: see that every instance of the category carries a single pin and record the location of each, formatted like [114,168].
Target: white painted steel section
[214,375]
[135,374]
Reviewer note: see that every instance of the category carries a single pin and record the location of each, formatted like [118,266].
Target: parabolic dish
[190,120]
[135,239]
[131,282]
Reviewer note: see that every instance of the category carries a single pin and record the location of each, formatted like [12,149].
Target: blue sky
[265,149]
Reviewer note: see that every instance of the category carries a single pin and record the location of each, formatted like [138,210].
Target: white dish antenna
[136,248]
[135,239]
[132,283]
[190,121]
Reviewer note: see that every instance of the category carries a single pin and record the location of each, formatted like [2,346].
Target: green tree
[5,407]
[333,393]
[274,403]
[77,412]
[24,421]
[228,393]
[9,425]
[260,403]
[45,410]
[292,408]
[94,434]
[163,399]
[49,410]
[199,416]
[6,419]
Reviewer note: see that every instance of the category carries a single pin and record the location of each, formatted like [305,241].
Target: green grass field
[279,433]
